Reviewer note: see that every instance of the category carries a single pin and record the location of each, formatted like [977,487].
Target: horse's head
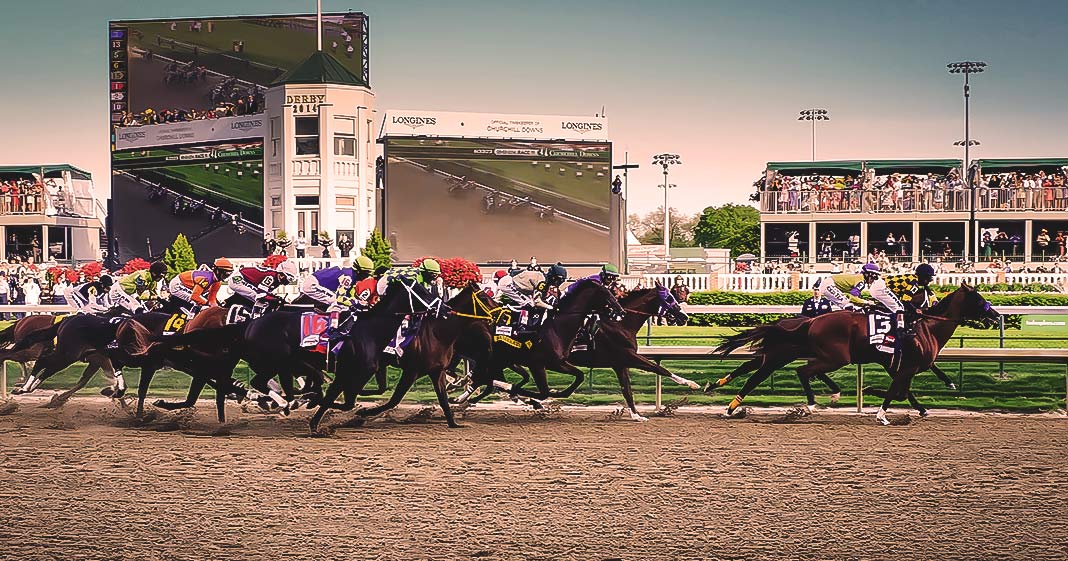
[670,305]
[968,304]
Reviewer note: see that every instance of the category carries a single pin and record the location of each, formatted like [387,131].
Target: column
[811,242]
[763,242]
[1029,238]
[916,256]
[327,198]
[968,242]
[864,240]
[44,243]
[3,243]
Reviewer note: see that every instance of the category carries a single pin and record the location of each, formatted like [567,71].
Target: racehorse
[360,353]
[550,348]
[209,366]
[615,343]
[470,314]
[831,341]
[17,332]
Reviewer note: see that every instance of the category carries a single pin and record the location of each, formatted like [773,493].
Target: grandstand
[828,212]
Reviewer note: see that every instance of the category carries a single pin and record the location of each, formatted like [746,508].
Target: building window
[276,200]
[307,136]
[307,200]
[344,136]
[276,135]
[346,201]
[59,243]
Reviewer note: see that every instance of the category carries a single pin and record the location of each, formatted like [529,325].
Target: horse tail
[36,337]
[787,333]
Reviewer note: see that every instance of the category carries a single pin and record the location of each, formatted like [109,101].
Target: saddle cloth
[175,323]
[880,328]
[312,326]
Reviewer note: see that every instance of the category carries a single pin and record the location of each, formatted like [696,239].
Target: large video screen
[160,68]
[212,194]
[497,200]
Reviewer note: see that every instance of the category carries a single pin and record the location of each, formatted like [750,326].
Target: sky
[718,82]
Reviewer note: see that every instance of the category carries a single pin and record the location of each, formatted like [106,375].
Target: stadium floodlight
[667,160]
[812,115]
[969,67]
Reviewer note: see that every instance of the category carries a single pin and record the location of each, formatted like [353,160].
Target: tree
[378,250]
[179,257]
[734,227]
[649,229]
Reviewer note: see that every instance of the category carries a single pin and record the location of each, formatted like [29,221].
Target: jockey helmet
[499,275]
[364,264]
[158,269]
[288,270]
[557,275]
[609,272]
[925,273]
[106,281]
[870,271]
[430,269]
[223,265]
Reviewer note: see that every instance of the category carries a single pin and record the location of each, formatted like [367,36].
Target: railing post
[1001,343]
[860,388]
[3,381]
[659,388]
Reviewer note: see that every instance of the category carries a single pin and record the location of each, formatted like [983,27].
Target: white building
[318,153]
[48,213]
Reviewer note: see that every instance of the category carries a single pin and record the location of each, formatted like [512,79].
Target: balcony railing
[804,201]
[48,205]
[1022,199]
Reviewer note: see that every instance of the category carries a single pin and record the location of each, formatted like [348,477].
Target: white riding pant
[311,288]
[833,294]
[182,292]
[880,292]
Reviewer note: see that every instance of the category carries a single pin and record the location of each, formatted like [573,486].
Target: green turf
[1022,387]
[246,191]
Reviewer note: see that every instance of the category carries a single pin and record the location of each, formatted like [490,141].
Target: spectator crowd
[26,196]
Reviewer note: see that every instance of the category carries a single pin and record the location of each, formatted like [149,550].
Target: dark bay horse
[552,346]
[137,347]
[833,340]
[470,315]
[17,332]
[615,343]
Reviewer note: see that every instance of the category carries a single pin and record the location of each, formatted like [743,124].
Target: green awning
[1019,164]
[320,68]
[886,167]
[50,170]
[835,167]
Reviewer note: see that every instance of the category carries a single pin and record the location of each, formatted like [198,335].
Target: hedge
[797,298]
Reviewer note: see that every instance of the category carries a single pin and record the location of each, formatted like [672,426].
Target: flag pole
[319,24]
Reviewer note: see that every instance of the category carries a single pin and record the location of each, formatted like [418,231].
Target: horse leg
[898,386]
[443,398]
[407,379]
[943,376]
[196,386]
[817,367]
[326,403]
[87,374]
[147,372]
[744,368]
[623,375]
[575,371]
[380,380]
[46,367]
[916,404]
[836,390]
[766,369]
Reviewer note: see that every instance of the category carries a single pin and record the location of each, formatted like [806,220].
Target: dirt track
[83,482]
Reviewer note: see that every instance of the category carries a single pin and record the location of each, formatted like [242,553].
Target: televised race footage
[497,200]
[168,70]
[213,195]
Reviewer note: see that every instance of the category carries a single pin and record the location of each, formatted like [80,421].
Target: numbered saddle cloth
[880,331]
[175,323]
[405,335]
[312,326]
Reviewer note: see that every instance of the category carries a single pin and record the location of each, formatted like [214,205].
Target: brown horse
[833,340]
[19,331]
[138,346]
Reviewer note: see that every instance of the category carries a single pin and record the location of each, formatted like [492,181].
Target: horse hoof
[722,382]
[107,392]
[835,397]
[121,392]
[924,413]
[638,418]
[881,417]
[159,403]
[952,386]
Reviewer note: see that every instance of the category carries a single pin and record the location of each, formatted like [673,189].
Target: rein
[492,314]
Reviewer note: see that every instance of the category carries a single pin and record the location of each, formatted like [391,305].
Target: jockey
[607,276]
[531,289]
[91,297]
[844,290]
[188,289]
[134,289]
[421,279]
[816,306]
[912,291]
[252,285]
[334,287]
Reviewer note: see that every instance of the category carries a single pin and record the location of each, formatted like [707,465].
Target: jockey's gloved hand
[139,310]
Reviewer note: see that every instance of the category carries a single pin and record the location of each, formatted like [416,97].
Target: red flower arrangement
[272,261]
[57,273]
[91,270]
[133,265]
[456,272]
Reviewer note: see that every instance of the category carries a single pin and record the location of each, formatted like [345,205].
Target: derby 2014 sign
[408,123]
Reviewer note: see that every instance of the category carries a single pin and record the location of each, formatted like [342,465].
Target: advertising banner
[408,123]
[191,132]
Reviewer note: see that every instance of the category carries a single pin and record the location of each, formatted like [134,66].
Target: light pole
[813,114]
[968,68]
[626,166]
[666,161]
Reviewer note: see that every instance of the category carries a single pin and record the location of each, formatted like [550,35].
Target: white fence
[779,282]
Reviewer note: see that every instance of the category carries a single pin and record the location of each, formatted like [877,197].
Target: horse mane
[943,304]
[580,286]
[636,294]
